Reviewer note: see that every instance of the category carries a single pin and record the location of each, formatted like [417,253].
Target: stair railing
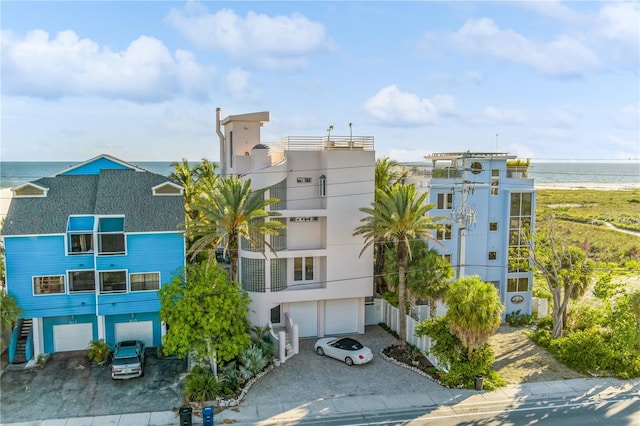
[15,336]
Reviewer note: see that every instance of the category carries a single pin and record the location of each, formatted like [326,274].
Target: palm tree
[428,274]
[10,313]
[475,311]
[386,174]
[231,212]
[398,216]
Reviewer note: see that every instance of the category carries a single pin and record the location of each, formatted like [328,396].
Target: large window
[111,235]
[278,274]
[252,275]
[48,285]
[303,269]
[279,242]
[517,284]
[279,191]
[81,281]
[144,282]
[443,232]
[113,282]
[445,201]
[519,228]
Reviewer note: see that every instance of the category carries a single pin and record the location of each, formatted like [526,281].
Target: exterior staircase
[20,356]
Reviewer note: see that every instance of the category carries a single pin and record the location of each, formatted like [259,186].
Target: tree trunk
[556,313]
[402,294]
[432,307]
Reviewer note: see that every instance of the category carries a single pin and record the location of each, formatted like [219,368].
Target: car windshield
[127,360]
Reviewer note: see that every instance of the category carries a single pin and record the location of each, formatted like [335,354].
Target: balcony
[320,143]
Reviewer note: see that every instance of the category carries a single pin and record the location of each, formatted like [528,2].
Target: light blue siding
[94,167]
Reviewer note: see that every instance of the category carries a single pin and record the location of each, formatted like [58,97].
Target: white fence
[382,311]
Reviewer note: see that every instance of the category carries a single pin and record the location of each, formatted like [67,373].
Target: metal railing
[319,143]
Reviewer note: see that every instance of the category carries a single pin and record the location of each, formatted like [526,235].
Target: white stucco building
[488,205]
[316,277]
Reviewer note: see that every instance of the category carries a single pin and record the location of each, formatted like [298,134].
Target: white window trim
[312,280]
[33,285]
[95,285]
[99,282]
[144,273]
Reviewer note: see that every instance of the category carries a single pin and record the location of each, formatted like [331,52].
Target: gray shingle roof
[126,192]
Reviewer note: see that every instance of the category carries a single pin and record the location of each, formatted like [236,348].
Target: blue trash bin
[207,416]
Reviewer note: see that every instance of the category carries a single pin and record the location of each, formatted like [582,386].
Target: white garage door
[72,337]
[341,316]
[138,330]
[305,314]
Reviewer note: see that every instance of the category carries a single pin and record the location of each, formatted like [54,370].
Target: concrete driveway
[68,386]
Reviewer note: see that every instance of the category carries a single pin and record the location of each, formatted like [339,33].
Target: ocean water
[557,174]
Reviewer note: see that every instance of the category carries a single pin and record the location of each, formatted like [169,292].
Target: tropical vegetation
[397,215]
[10,313]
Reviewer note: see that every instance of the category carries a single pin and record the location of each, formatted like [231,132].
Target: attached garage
[305,314]
[135,330]
[341,316]
[72,337]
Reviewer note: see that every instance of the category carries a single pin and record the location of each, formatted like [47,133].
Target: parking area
[68,386]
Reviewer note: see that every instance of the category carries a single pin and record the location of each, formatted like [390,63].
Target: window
[447,258]
[323,186]
[303,269]
[443,232]
[495,172]
[493,255]
[48,285]
[111,235]
[519,228]
[80,243]
[278,274]
[517,284]
[252,274]
[445,201]
[81,281]
[144,282]
[493,226]
[304,180]
[276,315]
[279,191]
[495,181]
[279,242]
[113,282]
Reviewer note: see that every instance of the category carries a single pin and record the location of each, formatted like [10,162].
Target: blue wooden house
[86,252]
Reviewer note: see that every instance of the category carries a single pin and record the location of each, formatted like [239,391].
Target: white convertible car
[344,349]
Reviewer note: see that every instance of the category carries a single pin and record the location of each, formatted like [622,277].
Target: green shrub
[200,385]
[585,316]
[584,351]
[252,361]
[518,319]
[541,337]
[545,323]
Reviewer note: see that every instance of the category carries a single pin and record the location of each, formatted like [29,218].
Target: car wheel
[348,361]
[320,351]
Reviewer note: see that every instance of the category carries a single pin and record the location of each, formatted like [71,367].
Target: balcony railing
[517,172]
[319,143]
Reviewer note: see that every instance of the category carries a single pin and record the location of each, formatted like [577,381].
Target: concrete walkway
[590,389]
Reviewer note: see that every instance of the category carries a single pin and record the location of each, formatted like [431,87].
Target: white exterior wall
[334,301]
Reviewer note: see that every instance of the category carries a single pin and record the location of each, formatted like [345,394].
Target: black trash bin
[207,416]
[185,416]
[478,382]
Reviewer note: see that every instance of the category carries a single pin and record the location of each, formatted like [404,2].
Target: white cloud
[279,42]
[391,107]
[627,117]
[238,85]
[505,116]
[553,9]
[564,56]
[619,24]
[66,65]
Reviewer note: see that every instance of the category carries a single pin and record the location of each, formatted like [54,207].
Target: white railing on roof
[319,143]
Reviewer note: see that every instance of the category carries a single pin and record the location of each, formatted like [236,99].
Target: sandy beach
[5,199]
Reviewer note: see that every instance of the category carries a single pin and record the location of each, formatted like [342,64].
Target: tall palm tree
[387,174]
[398,216]
[230,213]
[475,311]
[428,274]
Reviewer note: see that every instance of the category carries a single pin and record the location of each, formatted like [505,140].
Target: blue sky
[141,80]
